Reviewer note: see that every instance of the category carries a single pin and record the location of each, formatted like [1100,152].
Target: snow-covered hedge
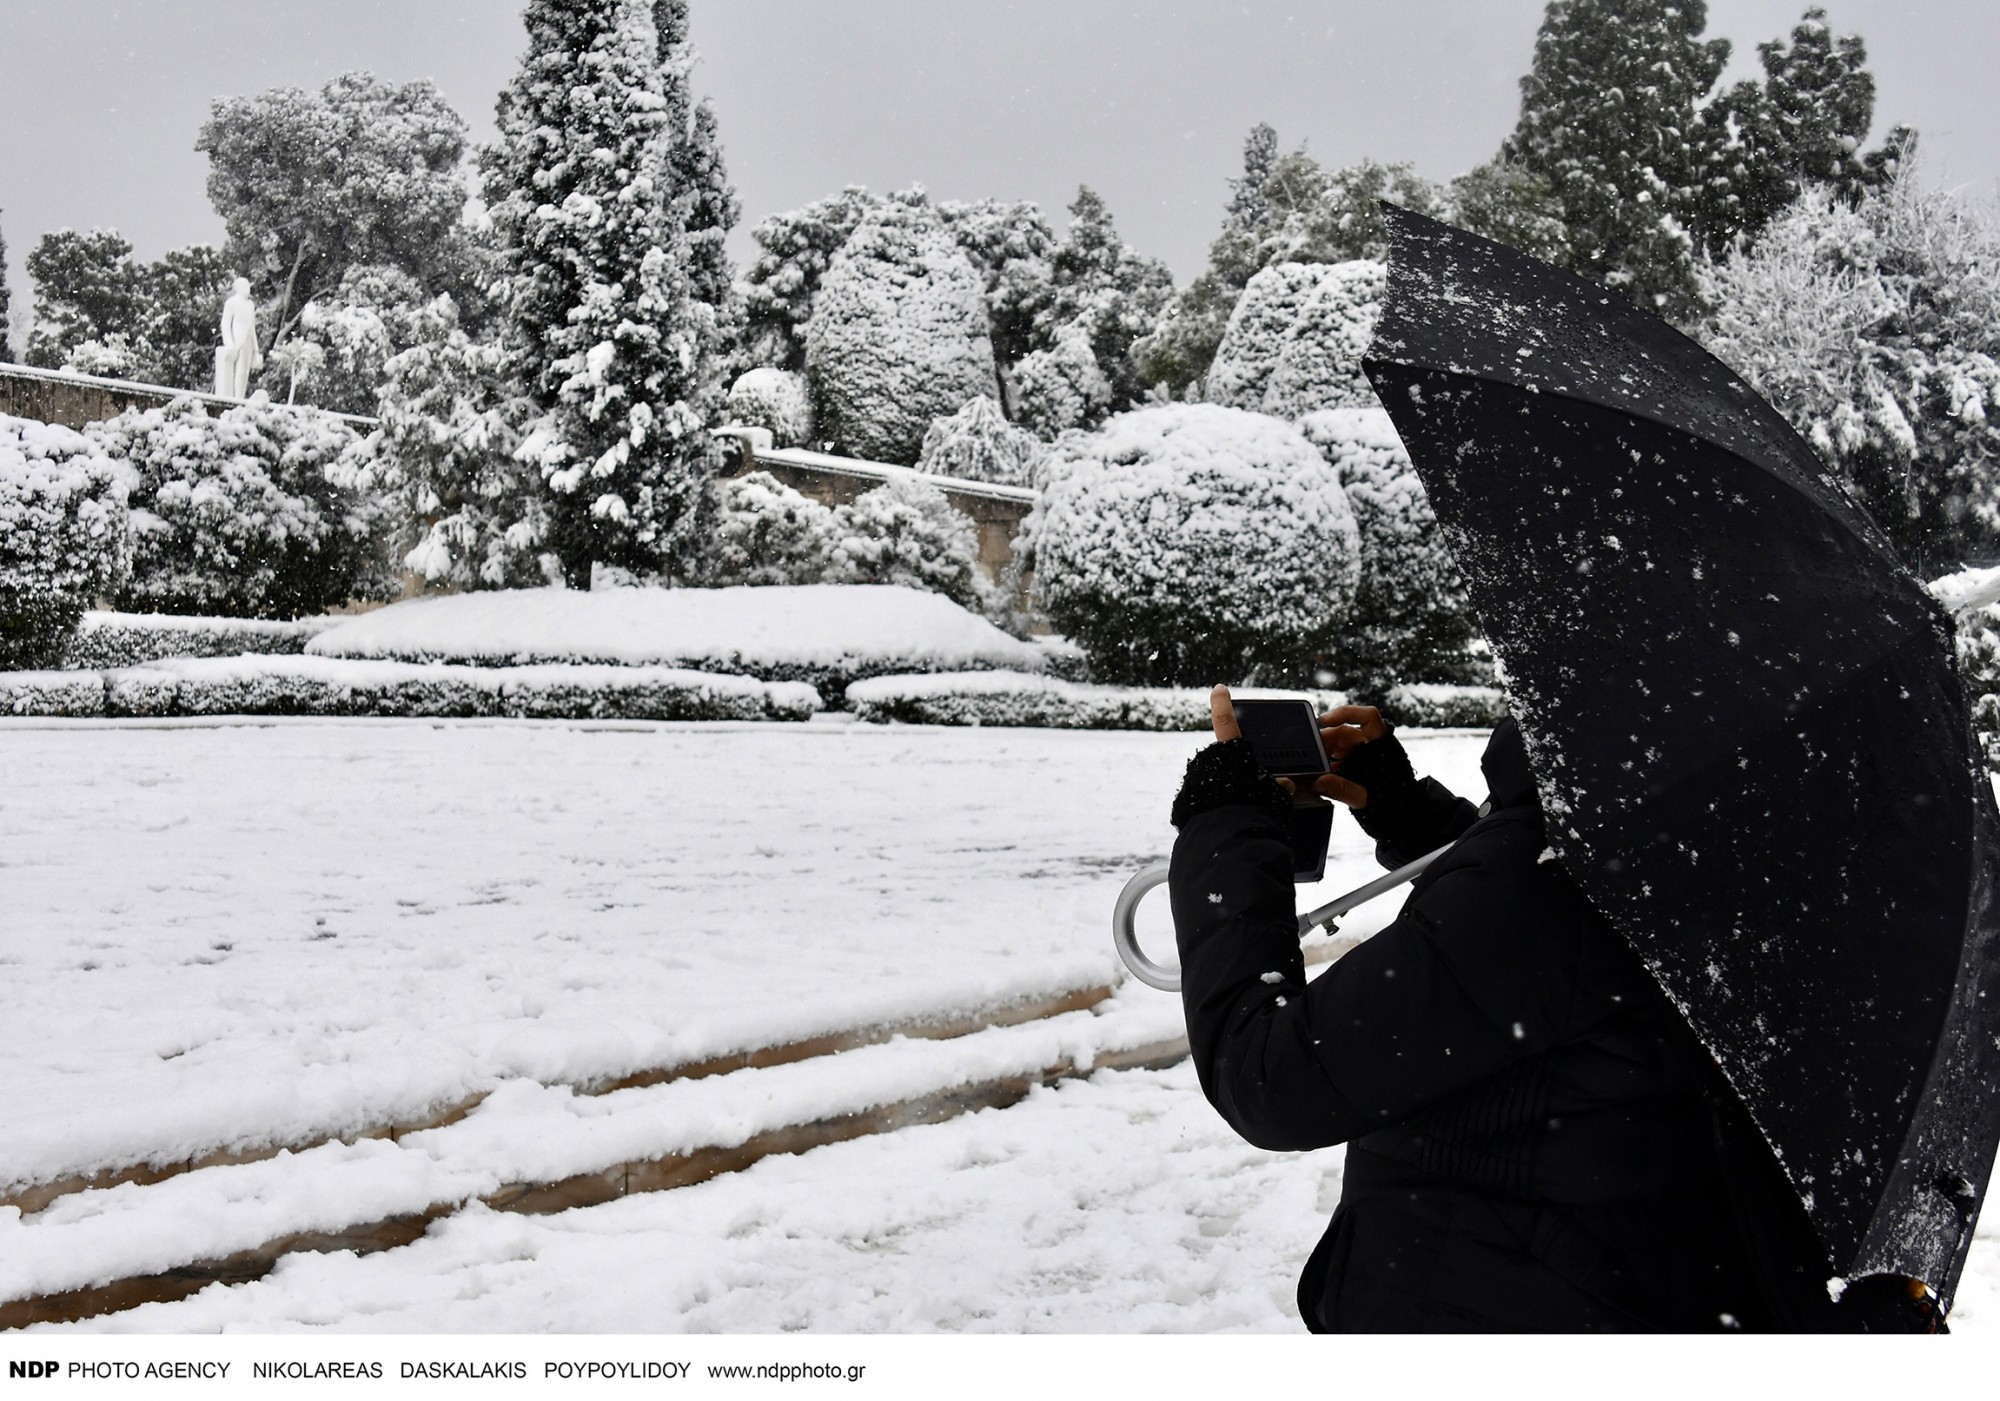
[256,512]
[1187,544]
[825,634]
[899,335]
[51,693]
[105,641]
[1411,620]
[265,685]
[1437,706]
[1296,338]
[1041,702]
[1319,364]
[978,444]
[63,536]
[778,400]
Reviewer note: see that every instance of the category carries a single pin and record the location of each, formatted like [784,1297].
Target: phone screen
[1283,734]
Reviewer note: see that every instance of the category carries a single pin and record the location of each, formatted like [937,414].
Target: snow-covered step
[533,1147]
[33,1197]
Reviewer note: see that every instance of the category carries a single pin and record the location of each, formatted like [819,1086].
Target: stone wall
[55,396]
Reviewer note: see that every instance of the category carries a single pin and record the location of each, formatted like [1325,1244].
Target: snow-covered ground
[226,935]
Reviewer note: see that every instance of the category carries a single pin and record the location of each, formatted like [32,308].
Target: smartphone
[1284,735]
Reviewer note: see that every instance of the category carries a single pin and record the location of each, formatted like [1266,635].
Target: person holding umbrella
[1697,1024]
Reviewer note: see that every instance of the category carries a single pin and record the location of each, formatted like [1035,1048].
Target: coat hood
[1509,780]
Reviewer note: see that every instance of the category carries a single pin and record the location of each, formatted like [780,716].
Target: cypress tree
[1610,119]
[613,351]
[6,296]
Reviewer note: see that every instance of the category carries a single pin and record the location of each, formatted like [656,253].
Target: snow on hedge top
[807,627]
[62,512]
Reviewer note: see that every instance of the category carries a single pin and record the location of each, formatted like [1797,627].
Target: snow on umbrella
[1746,722]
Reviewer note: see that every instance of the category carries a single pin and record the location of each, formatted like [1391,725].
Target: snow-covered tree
[1610,117]
[898,335]
[1875,329]
[1187,544]
[1410,620]
[1115,295]
[1259,327]
[907,532]
[1063,386]
[699,176]
[1011,245]
[794,250]
[607,340]
[64,541]
[256,512]
[85,290]
[1319,362]
[1249,206]
[1803,125]
[768,533]
[311,184]
[444,453]
[978,444]
[1509,205]
[1335,216]
[777,400]
[178,308]
[366,319]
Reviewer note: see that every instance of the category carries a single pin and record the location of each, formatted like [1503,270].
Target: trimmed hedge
[107,641]
[277,685]
[1445,707]
[1040,702]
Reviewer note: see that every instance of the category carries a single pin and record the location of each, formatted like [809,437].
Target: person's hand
[1222,718]
[1341,732]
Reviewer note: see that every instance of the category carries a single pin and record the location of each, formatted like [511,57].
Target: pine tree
[1114,294]
[1804,125]
[608,342]
[699,175]
[1610,118]
[1249,207]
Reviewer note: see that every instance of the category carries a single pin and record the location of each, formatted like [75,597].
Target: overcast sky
[1145,100]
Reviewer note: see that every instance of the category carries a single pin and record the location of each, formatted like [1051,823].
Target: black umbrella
[1746,720]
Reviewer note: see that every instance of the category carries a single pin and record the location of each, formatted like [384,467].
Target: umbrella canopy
[1746,722]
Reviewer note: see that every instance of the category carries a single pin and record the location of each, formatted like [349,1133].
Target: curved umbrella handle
[1124,914]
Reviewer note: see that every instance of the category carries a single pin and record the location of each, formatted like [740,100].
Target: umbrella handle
[1124,914]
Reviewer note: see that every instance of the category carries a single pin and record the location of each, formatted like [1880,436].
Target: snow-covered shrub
[106,641]
[767,533]
[1319,364]
[327,686]
[1041,702]
[907,532]
[1410,620]
[252,513]
[1979,666]
[1876,330]
[978,444]
[775,399]
[63,537]
[1188,544]
[1435,706]
[1258,329]
[51,693]
[898,335]
[358,326]
[444,453]
[1062,387]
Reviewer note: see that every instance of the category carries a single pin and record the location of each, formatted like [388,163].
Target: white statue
[238,357]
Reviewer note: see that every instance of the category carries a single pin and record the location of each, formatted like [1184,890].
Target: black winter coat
[1530,1144]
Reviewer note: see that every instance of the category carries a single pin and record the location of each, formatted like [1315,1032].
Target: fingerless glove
[1227,773]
